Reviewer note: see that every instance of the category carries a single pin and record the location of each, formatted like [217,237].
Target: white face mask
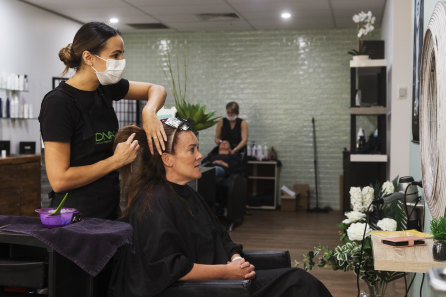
[233,118]
[113,71]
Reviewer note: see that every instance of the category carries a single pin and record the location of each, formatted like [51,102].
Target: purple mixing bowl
[62,219]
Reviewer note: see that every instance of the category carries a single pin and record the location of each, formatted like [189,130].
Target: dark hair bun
[66,55]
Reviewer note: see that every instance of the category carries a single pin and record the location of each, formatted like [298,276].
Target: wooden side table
[405,259]
[262,184]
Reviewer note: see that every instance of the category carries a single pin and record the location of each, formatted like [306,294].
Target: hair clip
[175,123]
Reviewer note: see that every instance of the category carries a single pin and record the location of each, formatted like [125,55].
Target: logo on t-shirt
[104,137]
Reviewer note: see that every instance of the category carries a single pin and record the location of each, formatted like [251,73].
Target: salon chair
[230,288]
[231,192]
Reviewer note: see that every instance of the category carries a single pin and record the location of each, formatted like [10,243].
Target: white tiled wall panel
[281,79]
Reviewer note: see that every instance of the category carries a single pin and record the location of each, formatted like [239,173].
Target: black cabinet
[262,184]
[364,165]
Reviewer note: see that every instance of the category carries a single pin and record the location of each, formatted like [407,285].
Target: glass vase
[439,250]
[375,290]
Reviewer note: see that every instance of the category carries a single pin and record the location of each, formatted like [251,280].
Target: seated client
[223,161]
[175,234]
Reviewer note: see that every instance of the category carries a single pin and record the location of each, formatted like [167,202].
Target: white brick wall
[281,79]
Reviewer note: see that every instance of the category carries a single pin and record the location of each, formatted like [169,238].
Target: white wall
[397,33]
[31,40]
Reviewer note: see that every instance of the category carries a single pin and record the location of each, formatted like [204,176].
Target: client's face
[225,145]
[186,161]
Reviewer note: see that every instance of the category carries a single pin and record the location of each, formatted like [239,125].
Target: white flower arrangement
[365,24]
[355,238]
[356,231]
[353,217]
[368,194]
[361,199]
[387,188]
[367,20]
[387,224]
[356,199]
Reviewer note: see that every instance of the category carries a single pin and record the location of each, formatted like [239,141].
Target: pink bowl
[62,219]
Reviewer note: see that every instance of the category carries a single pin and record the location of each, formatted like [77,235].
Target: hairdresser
[233,129]
[78,123]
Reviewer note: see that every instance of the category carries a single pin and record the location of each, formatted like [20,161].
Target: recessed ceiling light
[114,21]
[285,15]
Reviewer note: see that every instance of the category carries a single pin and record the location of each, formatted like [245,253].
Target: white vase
[361,57]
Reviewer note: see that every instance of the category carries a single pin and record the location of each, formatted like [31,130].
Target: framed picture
[58,80]
[417,47]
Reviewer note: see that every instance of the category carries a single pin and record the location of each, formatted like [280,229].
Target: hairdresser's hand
[154,130]
[241,269]
[126,152]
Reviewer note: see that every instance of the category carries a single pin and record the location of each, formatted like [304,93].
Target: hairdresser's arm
[236,270]
[155,96]
[244,140]
[64,177]
[217,138]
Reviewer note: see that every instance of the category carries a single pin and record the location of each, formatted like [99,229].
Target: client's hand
[241,269]
[221,163]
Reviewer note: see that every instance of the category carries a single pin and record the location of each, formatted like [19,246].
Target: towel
[90,243]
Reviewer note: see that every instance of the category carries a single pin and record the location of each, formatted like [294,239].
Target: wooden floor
[299,232]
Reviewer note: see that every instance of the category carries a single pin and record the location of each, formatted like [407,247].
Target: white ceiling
[181,15]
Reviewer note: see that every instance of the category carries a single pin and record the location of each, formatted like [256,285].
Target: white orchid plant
[356,231]
[364,24]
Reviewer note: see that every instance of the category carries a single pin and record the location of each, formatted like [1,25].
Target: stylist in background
[78,123]
[232,129]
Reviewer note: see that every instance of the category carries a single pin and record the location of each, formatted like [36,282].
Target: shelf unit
[262,184]
[361,168]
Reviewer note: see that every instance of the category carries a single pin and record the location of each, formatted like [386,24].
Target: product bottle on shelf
[30,110]
[25,86]
[358,98]
[8,110]
[13,107]
[361,140]
[259,152]
[4,108]
[253,150]
[265,152]
[248,150]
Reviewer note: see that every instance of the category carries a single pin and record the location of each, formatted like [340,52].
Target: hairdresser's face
[113,49]
[186,161]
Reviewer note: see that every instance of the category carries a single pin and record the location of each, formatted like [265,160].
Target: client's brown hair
[147,170]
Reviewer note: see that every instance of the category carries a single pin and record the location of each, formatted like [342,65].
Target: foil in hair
[176,122]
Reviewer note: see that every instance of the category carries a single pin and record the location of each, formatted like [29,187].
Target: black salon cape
[181,230]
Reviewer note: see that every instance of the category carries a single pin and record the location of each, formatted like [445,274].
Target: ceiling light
[114,21]
[285,15]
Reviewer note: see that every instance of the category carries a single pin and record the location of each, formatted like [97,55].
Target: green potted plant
[438,230]
[196,113]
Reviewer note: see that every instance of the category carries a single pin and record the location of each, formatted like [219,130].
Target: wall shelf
[366,164]
[18,118]
[372,110]
[368,63]
[368,158]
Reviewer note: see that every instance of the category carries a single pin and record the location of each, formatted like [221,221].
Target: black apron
[100,198]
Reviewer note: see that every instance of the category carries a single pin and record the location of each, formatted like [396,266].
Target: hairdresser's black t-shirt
[85,119]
